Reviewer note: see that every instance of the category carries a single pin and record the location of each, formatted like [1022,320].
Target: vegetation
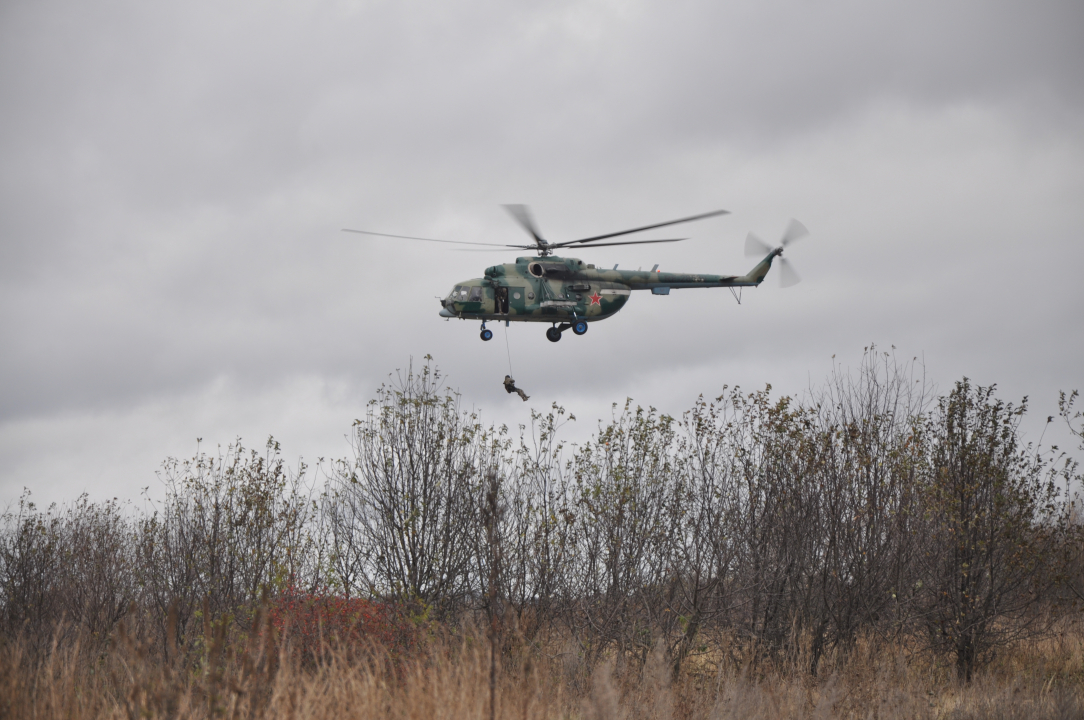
[871,545]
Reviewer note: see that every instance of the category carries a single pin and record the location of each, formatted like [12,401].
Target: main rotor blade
[648,227]
[795,231]
[452,242]
[623,242]
[501,248]
[756,246]
[522,214]
[787,276]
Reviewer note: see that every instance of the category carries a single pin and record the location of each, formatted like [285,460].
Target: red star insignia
[596,299]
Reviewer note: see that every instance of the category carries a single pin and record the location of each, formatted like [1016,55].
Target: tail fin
[756,275]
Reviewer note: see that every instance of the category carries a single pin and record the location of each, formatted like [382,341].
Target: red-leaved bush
[316,623]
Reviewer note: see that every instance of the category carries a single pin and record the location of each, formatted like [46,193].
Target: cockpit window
[458,292]
[476,294]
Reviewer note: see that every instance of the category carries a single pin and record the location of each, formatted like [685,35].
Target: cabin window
[476,294]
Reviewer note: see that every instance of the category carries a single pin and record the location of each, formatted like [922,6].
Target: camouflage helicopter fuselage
[569,293]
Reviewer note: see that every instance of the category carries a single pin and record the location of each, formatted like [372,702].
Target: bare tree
[865,480]
[534,526]
[409,501]
[98,560]
[995,519]
[31,572]
[230,528]
[778,525]
[624,530]
[706,549]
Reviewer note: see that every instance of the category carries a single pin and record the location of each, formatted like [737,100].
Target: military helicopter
[569,294]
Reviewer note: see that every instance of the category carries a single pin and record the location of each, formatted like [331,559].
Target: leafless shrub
[995,521]
[623,495]
[409,500]
[230,528]
[65,568]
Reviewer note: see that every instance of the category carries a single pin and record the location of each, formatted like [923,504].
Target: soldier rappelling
[510,387]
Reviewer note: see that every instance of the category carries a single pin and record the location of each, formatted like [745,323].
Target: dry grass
[450,679]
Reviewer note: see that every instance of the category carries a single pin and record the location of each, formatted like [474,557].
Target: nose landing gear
[486,335]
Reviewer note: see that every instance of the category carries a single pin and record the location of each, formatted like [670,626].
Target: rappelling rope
[507,350]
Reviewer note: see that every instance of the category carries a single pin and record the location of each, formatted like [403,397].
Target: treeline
[870,511]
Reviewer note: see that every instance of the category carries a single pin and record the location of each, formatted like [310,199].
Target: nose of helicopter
[446,313]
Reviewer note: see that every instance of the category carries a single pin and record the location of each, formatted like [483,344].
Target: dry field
[450,678]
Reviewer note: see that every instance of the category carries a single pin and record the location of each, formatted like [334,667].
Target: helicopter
[571,294]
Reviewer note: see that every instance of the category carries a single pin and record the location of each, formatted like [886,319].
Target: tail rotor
[755,246]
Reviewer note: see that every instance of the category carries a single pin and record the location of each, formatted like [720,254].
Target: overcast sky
[174,177]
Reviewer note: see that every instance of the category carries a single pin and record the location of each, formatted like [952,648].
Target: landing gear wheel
[486,335]
[579,327]
[553,334]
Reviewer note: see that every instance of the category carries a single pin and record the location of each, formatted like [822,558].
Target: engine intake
[540,269]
